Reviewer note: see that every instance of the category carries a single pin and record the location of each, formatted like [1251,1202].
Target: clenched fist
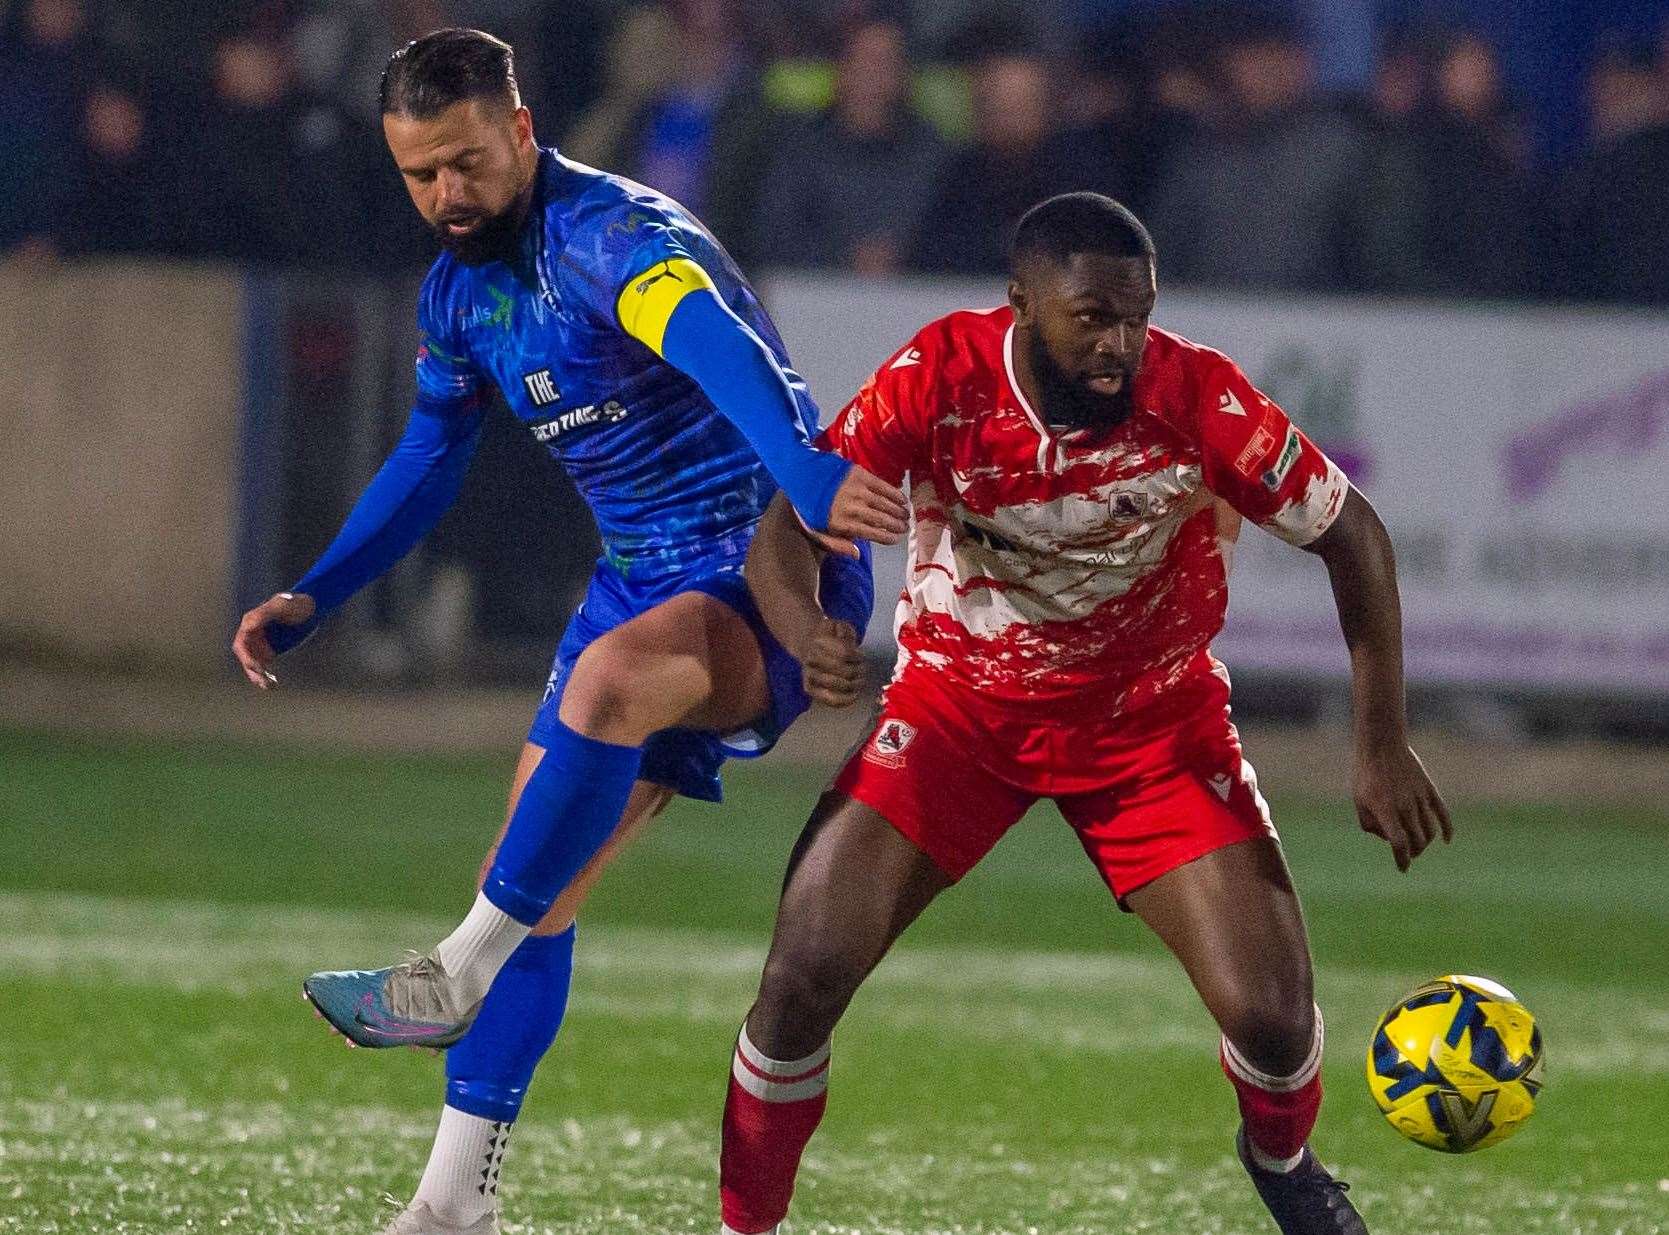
[831,664]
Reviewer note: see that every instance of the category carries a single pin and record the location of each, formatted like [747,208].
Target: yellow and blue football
[1456,1064]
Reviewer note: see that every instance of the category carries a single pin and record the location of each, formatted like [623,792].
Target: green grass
[1028,1060]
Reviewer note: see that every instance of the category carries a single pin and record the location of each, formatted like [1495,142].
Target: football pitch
[1027,1061]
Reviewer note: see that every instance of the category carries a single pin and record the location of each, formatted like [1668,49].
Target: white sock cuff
[779,1080]
[1276,1166]
[1244,1070]
[460,1182]
[473,954]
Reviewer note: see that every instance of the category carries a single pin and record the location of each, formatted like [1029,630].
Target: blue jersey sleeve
[643,273]
[414,487]
[847,587]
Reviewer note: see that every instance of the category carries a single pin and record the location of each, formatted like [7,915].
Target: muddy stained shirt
[1075,568]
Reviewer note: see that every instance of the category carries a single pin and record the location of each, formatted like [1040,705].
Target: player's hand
[1396,800]
[831,665]
[865,507]
[250,644]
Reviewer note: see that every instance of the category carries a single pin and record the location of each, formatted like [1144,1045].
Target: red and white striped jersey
[1083,566]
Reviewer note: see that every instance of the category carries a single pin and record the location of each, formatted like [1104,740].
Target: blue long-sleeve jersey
[675,414]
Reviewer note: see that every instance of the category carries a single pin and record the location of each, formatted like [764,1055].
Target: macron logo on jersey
[541,388]
[1229,405]
[912,356]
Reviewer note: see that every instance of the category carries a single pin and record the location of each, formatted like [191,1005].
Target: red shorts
[1145,796]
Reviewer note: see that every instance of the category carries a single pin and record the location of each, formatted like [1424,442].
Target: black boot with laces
[1306,1200]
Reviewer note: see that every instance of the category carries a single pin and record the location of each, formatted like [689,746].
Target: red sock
[772,1109]
[1279,1111]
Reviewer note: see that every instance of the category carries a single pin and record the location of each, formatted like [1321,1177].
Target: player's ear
[524,128]
[1019,301]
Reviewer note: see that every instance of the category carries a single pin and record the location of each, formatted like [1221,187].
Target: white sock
[461,1181]
[475,952]
[1277,1166]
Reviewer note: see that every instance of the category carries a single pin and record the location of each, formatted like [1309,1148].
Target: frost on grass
[977,1091]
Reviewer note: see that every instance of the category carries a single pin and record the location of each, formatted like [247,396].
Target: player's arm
[1268,470]
[410,492]
[815,603]
[788,573]
[674,309]
[1395,798]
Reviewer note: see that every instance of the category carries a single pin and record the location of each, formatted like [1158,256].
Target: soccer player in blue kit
[630,345]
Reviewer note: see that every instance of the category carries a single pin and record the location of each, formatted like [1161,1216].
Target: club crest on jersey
[546,431]
[890,742]
[1289,455]
[541,388]
[1128,505]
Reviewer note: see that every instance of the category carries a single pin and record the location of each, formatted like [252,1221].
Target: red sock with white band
[1279,1111]
[770,1113]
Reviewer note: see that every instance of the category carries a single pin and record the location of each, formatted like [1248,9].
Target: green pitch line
[1028,1059]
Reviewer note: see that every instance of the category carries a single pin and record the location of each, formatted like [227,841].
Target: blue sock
[569,808]
[488,1069]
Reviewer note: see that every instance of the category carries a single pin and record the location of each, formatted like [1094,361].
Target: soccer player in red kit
[1078,480]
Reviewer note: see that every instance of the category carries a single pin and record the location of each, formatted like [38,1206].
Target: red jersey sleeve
[1259,462]
[883,428]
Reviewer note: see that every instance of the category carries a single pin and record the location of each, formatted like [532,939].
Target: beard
[496,238]
[1069,404]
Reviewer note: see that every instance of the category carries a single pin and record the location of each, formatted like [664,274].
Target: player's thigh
[1233,919]
[854,883]
[691,661]
[645,802]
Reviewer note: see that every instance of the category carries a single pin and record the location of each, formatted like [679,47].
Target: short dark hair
[444,67]
[1058,227]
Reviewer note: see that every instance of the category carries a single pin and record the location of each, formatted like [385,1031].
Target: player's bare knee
[611,699]
[802,995]
[1274,1030]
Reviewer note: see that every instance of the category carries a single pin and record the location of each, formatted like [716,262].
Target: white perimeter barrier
[1519,456]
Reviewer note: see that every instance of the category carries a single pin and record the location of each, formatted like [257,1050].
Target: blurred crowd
[850,136]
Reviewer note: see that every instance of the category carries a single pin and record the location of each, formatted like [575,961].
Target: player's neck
[530,190]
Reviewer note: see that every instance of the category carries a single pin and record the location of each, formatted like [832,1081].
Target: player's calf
[779,1078]
[1277,1108]
[771,1110]
[1278,1111]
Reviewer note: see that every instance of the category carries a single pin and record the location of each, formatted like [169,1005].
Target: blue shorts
[688,760]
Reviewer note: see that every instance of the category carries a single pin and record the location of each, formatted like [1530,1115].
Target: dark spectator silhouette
[1616,205]
[1012,164]
[44,46]
[850,185]
[1448,208]
[1264,195]
[295,178]
[676,73]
